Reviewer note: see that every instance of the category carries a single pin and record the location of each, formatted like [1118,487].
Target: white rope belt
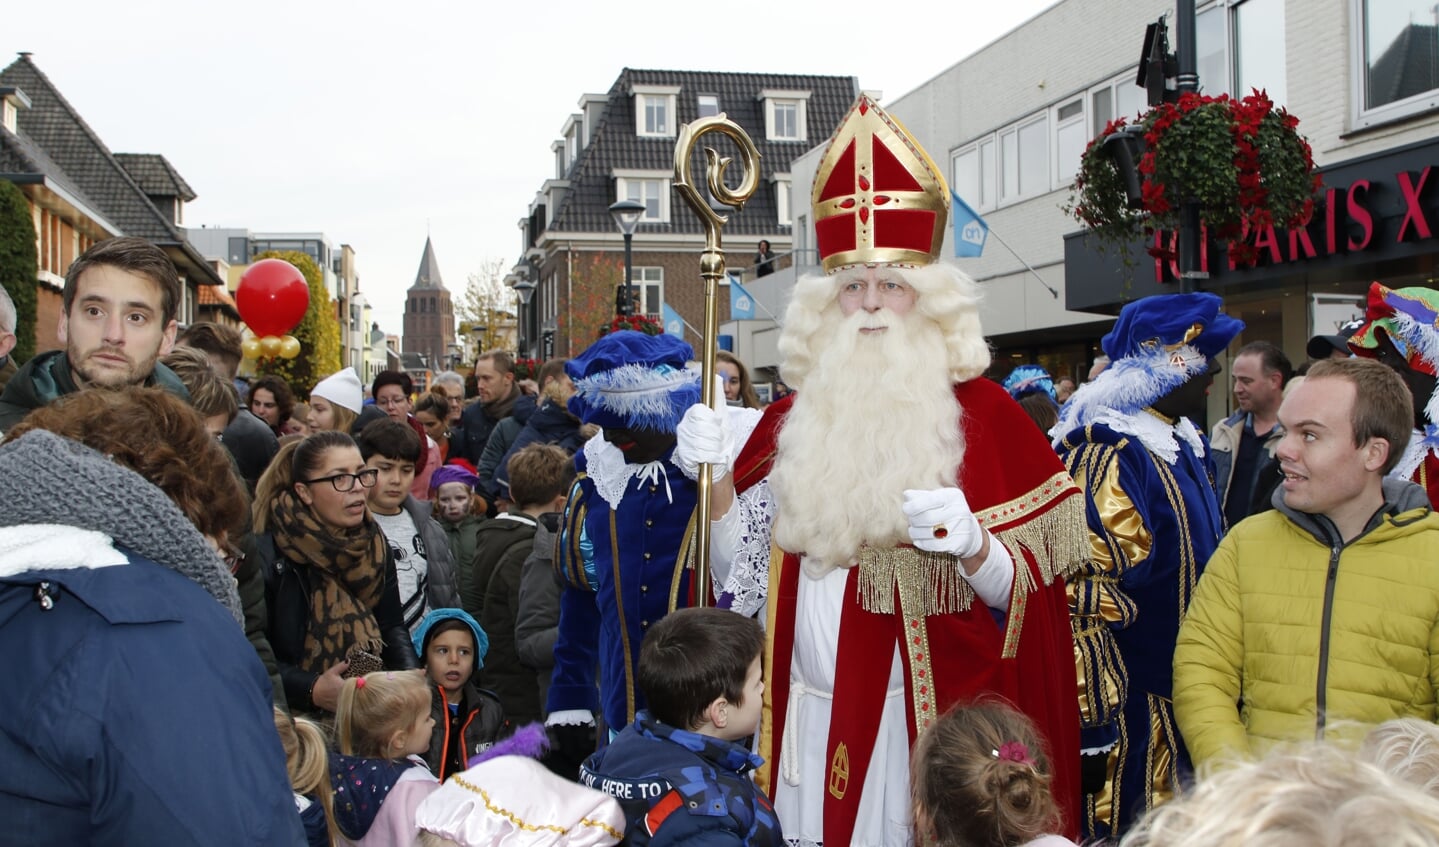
[788,756]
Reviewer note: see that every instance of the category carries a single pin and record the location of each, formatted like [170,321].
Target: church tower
[429,317]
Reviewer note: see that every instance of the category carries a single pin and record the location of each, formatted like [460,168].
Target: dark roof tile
[20,155]
[155,175]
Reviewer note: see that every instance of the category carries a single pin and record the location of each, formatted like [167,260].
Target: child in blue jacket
[681,771]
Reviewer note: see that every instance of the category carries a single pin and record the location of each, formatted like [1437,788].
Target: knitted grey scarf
[40,473]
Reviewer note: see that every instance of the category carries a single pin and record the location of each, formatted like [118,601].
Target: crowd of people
[942,609]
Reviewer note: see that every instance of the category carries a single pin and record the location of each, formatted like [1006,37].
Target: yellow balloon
[251,348]
[289,347]
[270,346]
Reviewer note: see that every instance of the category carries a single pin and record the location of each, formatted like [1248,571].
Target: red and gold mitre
[878,198]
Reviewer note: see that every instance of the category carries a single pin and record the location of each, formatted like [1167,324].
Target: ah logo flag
[970,230]
[674,324]
[741,304]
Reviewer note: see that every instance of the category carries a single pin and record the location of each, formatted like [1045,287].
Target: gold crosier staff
[712,269]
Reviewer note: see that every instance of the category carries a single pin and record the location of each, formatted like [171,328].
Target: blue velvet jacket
[1153,525]
[680,787]
[623,569]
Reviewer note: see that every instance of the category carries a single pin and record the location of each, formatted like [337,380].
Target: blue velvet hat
[1167,320]
[1157,344]
[629,380]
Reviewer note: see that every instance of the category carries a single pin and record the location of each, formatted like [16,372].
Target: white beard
[876,416]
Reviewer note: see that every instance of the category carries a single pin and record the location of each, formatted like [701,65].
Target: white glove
[940,521]
[703,437]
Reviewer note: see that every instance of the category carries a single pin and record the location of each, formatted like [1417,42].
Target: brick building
[620,146]
[429,316]
[79,192]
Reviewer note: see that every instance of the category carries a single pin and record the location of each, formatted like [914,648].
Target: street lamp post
[526,289]
[627,216]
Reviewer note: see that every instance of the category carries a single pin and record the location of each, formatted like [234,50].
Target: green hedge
[19,266]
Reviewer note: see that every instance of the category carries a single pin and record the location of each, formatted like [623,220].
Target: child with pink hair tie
[979,777]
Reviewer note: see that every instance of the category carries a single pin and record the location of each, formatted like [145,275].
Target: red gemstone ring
[940,531]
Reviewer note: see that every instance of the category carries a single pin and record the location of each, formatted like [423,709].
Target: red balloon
[272,297]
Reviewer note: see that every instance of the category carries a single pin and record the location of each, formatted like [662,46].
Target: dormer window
[573,132]
[652,188]
[782,198]
[655,110]
[784,114]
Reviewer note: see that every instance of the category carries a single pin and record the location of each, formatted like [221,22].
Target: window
[654,115]
[974,176]
[1259,48]
[1071,135]
[782,198]
[1024,159]
[708,105]
[655,110]
[1117,98]
[786,119]
[1211,40]
[784,115]
[572,146]
[649,286]
[1241,47]
[1395,73]
[651,188]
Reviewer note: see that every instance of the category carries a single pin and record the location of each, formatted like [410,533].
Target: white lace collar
[1421,443]
[1157,436]
[607,469]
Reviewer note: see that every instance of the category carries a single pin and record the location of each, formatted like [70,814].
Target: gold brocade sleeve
[1119,540]
[570,555]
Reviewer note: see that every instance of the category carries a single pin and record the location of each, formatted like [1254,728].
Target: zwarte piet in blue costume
[1128,440]
[622,548]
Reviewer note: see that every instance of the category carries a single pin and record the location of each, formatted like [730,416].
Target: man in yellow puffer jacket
[1321,617]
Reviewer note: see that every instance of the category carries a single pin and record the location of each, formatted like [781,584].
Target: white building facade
[1010,122]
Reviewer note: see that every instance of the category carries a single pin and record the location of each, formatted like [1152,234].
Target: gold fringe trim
[931,582]
[533,827]
[1058,539]
[1054,533]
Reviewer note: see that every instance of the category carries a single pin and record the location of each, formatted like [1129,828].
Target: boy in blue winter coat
[680,771]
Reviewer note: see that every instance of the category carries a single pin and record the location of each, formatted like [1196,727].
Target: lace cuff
[744,531]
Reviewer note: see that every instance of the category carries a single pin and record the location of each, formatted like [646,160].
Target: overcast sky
[375,123]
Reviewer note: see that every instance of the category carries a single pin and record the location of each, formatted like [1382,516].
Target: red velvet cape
[1021,493]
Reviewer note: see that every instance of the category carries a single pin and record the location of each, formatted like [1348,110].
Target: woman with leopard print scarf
[330,586]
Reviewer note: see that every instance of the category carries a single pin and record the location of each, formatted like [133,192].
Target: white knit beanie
[341,388]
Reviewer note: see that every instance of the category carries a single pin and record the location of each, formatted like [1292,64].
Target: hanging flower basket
[1243,161]
[527,368]
[638,323]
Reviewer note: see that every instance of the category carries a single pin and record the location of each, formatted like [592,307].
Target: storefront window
[1399,71]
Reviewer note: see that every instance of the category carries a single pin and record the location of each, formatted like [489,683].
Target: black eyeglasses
[344,482]
[233,556]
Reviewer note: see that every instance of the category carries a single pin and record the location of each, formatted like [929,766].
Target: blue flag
[674,324]
[970,230]
[741,304]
